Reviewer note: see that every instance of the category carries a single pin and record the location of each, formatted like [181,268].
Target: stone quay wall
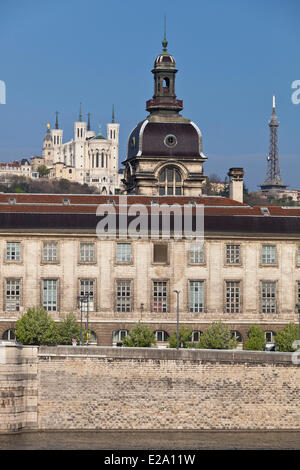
[18,387]
[107,388]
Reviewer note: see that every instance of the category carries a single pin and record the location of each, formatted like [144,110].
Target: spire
[273,121]
[56,121]
[80,114]
[113,114]
[164,41]
[89,122]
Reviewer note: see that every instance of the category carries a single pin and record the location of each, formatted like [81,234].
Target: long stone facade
[247,271]
[84,388]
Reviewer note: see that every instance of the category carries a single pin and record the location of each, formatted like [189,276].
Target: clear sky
[231,55]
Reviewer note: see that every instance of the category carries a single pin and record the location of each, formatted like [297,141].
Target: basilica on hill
[88,158]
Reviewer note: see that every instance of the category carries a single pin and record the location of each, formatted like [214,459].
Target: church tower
[164,155]
[57,138]
[48,148]
[79,140]
[113,137]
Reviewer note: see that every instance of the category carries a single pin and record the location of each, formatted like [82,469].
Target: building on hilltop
[88,158]
[17,168]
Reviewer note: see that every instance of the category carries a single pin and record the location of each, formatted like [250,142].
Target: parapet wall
[81,388]
[18,387]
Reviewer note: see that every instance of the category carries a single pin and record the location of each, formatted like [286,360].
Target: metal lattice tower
[273,180]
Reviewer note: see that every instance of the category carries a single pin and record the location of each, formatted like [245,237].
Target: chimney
[236,179]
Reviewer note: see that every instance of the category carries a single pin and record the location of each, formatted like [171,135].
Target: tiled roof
[78,212]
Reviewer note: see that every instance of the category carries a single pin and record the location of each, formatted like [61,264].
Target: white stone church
[87,158]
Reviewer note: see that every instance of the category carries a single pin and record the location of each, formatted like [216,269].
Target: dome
[164,59]
[165,139]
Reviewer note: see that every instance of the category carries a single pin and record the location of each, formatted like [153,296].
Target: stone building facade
[247,271]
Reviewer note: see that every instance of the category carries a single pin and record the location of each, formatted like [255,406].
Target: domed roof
[165,139]
[164,59]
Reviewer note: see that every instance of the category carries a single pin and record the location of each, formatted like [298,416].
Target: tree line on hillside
[22,184]
[36,327]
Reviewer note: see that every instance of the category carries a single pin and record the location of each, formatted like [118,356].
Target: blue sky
[231,55]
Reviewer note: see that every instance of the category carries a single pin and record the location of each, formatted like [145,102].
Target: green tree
[217,336]
[68,329]
[36,327]
[140,337]
[256,339]
[43,171]
[184,334]
[64,185]
[284,338]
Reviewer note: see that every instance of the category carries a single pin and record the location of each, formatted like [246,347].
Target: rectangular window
[196,296]
[268,299]
[298,255]
[160,253]
[268,254]
[87,294]
[160,297]
[123,296]
[233,254]
[232,296]
[13,251]
[12,300]
[196,253]
[50,251]
[87,252]
[123,252]
[50,295]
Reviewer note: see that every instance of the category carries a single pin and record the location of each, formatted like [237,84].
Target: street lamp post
[80,303]
[177,292]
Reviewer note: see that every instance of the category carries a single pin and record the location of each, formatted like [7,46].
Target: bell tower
[164,99]
[164,153]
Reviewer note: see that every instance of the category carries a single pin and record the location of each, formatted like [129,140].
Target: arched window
[236,334]
[166,84]
[97,160]
[92,337]
[161,336]
[269,335]
[9,335]
[170,182]
[102,159]
[118,336]
[195,338]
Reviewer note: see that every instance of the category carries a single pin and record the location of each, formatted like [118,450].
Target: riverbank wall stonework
[107,388]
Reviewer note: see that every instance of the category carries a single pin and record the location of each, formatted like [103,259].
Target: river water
[148,440]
